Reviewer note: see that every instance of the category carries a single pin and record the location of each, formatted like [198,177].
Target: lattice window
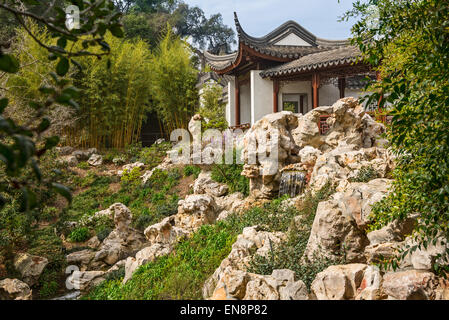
[323,126]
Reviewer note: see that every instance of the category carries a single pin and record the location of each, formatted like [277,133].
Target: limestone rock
[371,286]
[69,160]
[334,232]
[205,185]
[195,211]
[14,289]
[425,258]
[95,160]
[94,242]
[165,232]
[231,203]
[30,267]
[378,253]
[250,242]
[123,241]
[395,231]
[80,258]
[64,151]
[338,282]
[85,280]
[410,285]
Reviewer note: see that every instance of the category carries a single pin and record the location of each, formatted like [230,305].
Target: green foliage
[131,177]
[83,165]
[365,174]
[173,82]
[192,170]
[22,146]
[231,174]
[409,44]
[115,98]
[154,155]
[79,235]
[289,254]
[212,109]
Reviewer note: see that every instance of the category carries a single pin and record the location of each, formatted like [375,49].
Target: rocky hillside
[219,244]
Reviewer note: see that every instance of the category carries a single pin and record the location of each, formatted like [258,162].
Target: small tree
[21,146]
[212,108]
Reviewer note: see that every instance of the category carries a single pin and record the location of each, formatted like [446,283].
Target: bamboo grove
[118,92]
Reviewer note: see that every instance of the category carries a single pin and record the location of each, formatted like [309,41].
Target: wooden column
[237,101]
[275,95]
[341,87]
[315,90]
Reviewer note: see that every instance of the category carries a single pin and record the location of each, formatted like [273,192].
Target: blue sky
[258,17]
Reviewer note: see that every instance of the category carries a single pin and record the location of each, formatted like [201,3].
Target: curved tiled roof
[331,58]
[266,45]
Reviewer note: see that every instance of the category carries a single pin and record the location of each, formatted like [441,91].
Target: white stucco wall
[296,87]
[328,95]
[292,40]
[261,96]
[230,106]
[245,103]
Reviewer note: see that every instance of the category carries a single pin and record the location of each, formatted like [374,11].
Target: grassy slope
[181,275]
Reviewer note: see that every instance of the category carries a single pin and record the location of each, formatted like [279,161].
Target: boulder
[340,222]
[395,231]
[334,234]
[371,286]
[251,242]
[241,285]
[64,151]
[338,282]
[14,289]
[81,155]
[94,242]
[95,160]
[410,285]
[381,252]
[30,267]
[123,241]
[205,185]
[165,232]
[195,211]
[425,258]
[80,258]
[69,160]
[359,199]
[85,280]
[230,203]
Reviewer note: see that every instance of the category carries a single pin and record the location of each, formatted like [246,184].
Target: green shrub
[79,234]
[154,155]
[365,174]
[231,175]
[192,170]
[131,177]
[83,165]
